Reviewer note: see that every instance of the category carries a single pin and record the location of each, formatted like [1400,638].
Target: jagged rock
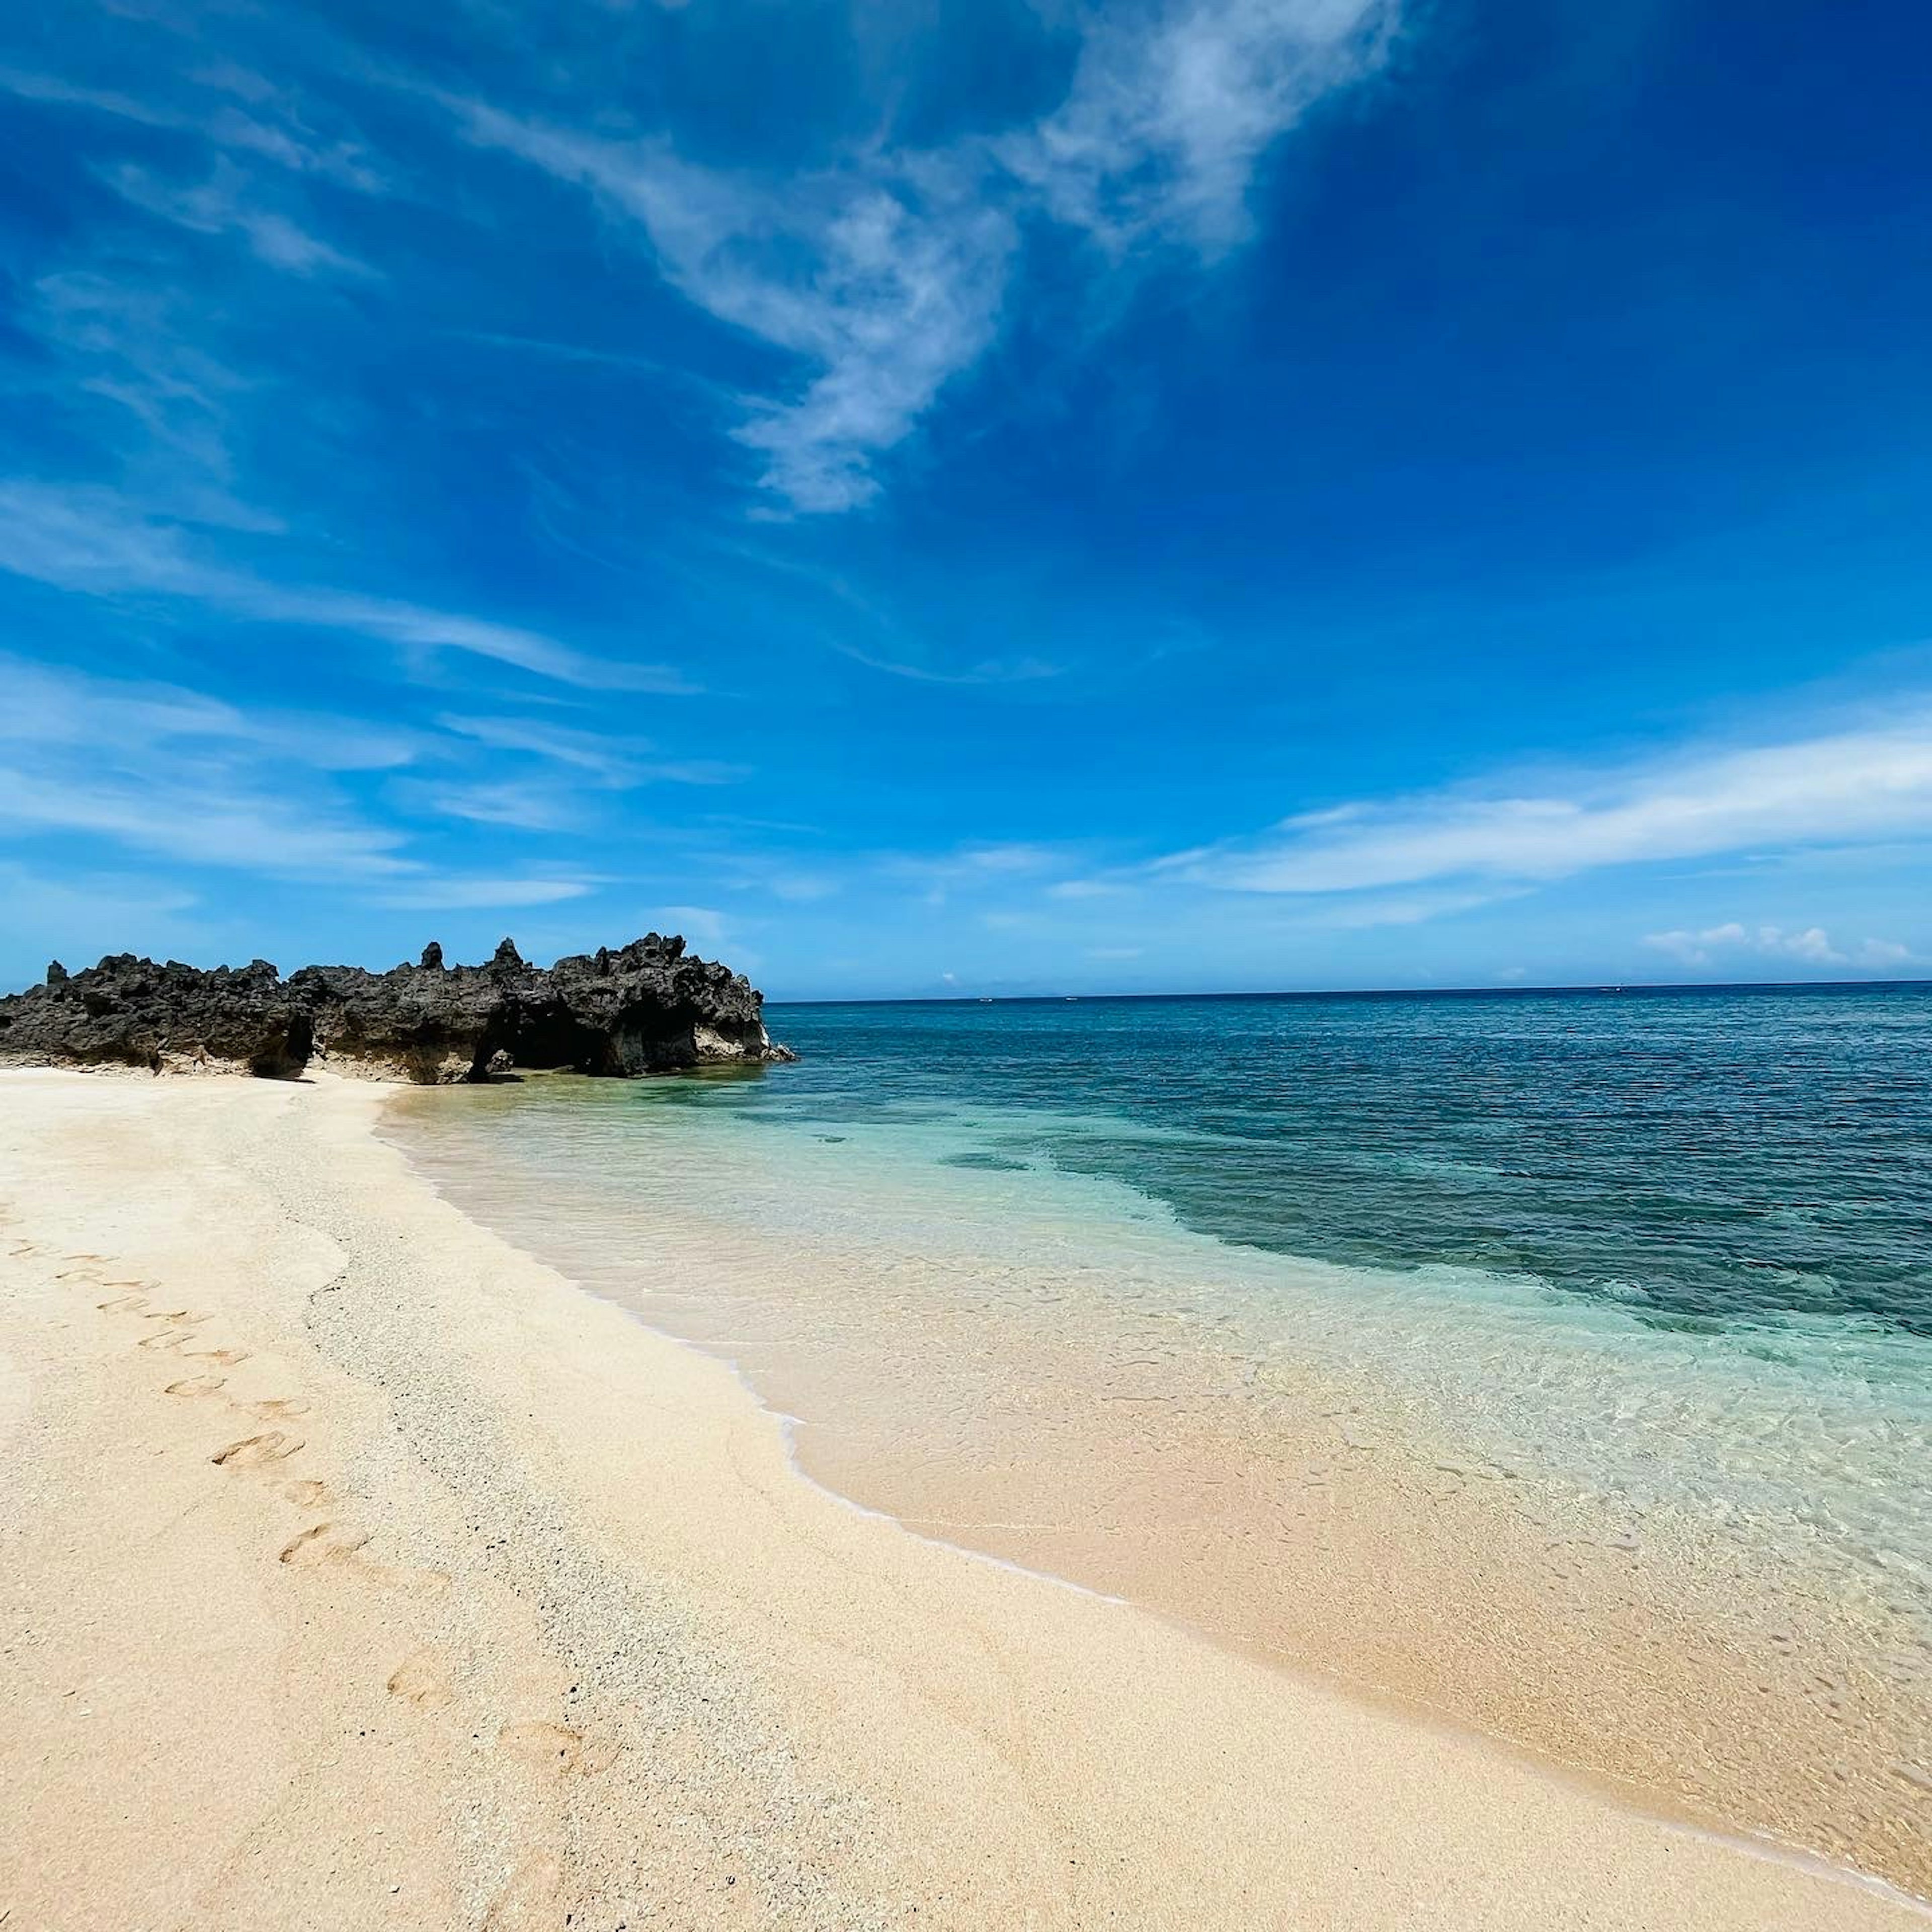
[647,1008]
[131,1012]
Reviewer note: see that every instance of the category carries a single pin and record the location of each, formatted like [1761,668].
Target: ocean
[1561,1362]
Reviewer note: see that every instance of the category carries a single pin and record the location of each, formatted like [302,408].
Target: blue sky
[965,496]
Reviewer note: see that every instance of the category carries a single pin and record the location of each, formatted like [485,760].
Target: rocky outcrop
[649,1007]
[128,1012]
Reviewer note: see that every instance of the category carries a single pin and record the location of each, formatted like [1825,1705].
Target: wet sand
[359,1569]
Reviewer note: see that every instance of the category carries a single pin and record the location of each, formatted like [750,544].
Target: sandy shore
[359,1570]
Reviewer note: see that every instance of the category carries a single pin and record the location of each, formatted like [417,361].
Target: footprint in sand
[253,1451]
[278,1407]
[309,1493]
[225,1358]
[120,1303]
[194,1386]
[557,1749]
[330,1546]
[174,1335]
[323,1544]
[529,1901]
[418,1679]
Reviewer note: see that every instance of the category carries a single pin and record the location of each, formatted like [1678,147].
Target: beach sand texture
[360,1570]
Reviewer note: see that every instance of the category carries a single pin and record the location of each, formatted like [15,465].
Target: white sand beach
[359,1570]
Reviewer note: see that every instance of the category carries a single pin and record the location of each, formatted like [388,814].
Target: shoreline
[1058,1419]
[536,1616]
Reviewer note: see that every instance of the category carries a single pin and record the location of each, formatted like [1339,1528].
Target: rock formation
[128,1012]
[647,1008]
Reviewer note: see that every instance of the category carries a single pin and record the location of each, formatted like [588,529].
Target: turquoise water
[1673,1250]
[1722,1158]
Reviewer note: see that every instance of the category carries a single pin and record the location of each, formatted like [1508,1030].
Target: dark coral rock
[128,1012]
[648,1008]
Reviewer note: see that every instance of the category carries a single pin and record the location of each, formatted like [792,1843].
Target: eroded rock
[647,1008]
[128,1012]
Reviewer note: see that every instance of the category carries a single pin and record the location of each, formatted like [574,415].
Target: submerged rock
[647,1008]
[128,1012]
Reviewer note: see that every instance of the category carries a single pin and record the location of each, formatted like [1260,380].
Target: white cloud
[480,894]
[225,204]
[613,763]
[887,274]
[1885,952]
[1410,908]
[1857,785]
[93,542]
[174,775]
[270,127]
[700,923]
[525,808]
[236,825]
[1171,113]
[969,868]
[47,707]
[887,278]
[800,888]
[1810,946]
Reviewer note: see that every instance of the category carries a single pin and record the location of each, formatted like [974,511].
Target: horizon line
[1598,986]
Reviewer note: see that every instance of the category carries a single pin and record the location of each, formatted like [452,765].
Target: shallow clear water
[1701,1158]
[1673,1250]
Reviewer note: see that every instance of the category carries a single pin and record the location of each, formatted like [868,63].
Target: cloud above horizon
[886,274]
[1867,783]
[1810,947]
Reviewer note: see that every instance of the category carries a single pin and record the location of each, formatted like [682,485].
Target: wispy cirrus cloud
[49,709]
[226,822]
[172,774]
[480,894]
[887,274]
[163,772]
[233,108]
[91,540]
[1866,783]
[224,203]
[1172,111]
[615,763]
[886,278]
